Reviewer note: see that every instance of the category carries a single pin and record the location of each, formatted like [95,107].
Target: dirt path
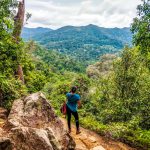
[89,140]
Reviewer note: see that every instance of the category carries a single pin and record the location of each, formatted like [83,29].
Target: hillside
[85,43]
[58,61]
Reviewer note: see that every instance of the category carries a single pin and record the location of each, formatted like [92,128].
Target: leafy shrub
[11,89]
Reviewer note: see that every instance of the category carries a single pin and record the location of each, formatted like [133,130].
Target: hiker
[73,102]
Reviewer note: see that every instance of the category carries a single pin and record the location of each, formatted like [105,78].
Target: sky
[57,13]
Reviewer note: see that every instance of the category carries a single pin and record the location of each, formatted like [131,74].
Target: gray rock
[33,125]
[98,148]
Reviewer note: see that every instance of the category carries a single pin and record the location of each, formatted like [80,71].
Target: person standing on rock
[73,102]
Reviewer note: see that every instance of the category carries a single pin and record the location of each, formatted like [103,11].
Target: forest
[114,89]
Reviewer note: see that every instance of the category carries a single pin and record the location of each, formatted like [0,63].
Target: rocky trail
[89,140]
[33,125]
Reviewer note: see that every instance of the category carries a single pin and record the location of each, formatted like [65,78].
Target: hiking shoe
[78,132]
[69,131]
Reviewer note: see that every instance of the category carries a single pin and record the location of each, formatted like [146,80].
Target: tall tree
[11,50]
[5,37]
[141,29]
[18,25]
[19,19]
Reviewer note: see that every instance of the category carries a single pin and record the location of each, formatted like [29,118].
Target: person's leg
[75,114]
[69,119]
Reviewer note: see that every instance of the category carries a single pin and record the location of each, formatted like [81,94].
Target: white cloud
[57,13]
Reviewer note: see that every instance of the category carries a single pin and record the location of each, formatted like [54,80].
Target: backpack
[63,109]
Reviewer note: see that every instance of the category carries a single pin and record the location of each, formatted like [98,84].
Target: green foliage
[131,88]
[132,136]
[6,12]
[120,100]
[35,81]
[57,87]
[91,123]
[11,54]
[11,89]
[141,27]
[58,61]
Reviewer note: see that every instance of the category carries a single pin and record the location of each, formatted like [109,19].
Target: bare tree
[18,25]
[19,20]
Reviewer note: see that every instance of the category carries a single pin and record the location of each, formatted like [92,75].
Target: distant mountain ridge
[85,43]
[29,33]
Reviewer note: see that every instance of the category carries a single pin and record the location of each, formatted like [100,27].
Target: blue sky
[58,13]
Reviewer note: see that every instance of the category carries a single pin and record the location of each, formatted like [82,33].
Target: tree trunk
[18,25]
[20,73]
[19,20]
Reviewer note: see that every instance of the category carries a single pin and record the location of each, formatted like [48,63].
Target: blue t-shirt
[72,101]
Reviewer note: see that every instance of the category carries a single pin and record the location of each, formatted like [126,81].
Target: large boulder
[33,125]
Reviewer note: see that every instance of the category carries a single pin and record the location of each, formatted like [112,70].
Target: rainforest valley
[112,75]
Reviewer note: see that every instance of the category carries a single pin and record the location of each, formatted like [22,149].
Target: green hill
[85,43]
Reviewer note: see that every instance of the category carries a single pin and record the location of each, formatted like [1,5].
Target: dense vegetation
[58,61]
[114,91]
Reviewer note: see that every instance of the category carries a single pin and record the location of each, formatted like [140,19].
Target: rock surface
[98,148]
[33,125]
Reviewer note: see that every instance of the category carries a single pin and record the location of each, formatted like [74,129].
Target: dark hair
[73,89]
